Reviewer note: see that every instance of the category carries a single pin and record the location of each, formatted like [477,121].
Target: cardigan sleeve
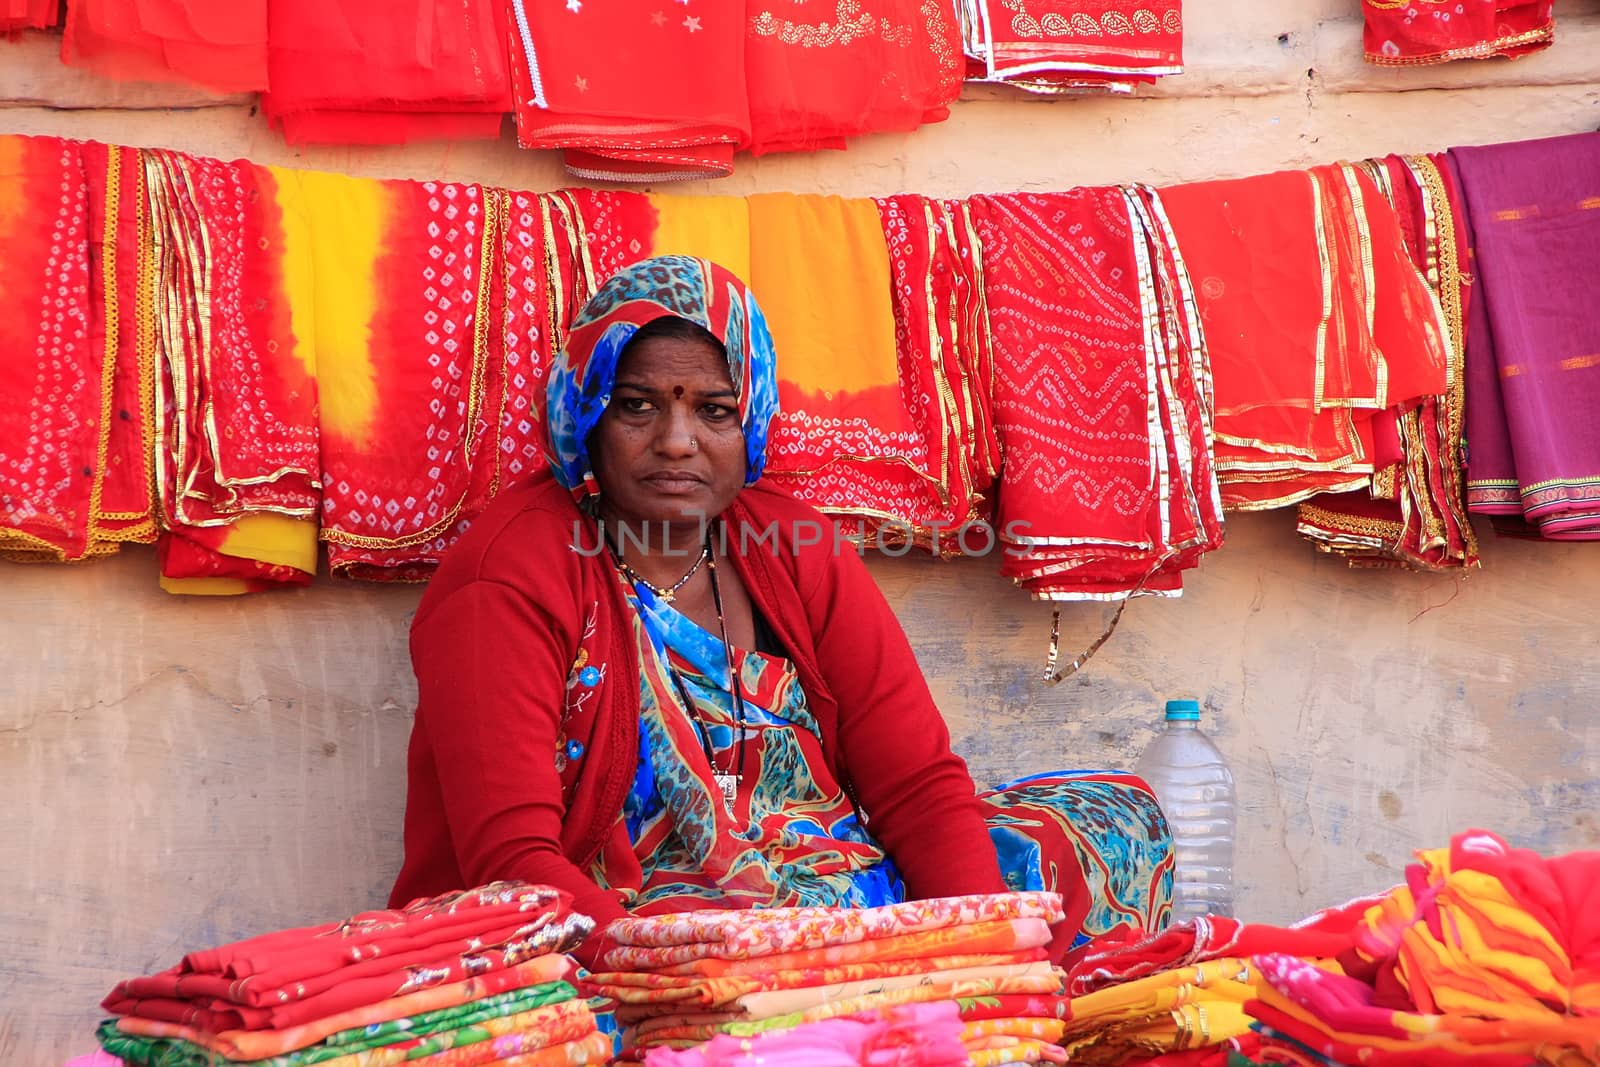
[916,793]
[491,674]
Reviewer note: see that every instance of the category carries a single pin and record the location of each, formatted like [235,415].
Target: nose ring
[694,444]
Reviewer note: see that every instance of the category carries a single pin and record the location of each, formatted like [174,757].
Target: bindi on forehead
[677,392]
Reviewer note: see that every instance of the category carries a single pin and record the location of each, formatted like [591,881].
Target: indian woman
[651,679]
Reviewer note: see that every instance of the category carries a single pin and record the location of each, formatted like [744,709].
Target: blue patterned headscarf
[584,371]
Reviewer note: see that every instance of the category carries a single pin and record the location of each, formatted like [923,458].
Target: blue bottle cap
[1183,711]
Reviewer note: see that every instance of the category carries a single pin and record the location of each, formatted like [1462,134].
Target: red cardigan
[499,642]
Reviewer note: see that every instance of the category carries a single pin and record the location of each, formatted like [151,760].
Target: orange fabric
[672,94]
[421,341]
[999,936]
[121,320]
[1414,511]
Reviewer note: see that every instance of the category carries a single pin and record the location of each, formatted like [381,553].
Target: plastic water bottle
[1195,789]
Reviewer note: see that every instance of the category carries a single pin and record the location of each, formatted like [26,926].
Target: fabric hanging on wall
[1414,32]
[487,343]
[674,93]
[946,371]
[219,46]
[1061,46]
[237,464]
[122,322]
[1414,511]
[815,78]
[1101,398]
[29,15]
[865,430]
[52,366]
[369,72]
[855,436]
[663,99]
[1533,336]
[1315,321]
[410,301]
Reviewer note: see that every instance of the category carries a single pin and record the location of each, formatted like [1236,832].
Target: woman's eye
[634,405]
[717,411]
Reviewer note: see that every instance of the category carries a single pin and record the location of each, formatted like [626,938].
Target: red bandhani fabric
[528,285]
[413,429]
[1412,32]
[633,92]
[28,15]
[1070,45]
[219,46]
[368,72]
[236,416]
[1101,399]
[51,367]
[292,977]
[945,372]
[816,77]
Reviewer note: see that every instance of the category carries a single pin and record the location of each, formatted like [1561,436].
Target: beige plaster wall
[178,772]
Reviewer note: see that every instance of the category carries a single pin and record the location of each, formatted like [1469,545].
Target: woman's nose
[677,432]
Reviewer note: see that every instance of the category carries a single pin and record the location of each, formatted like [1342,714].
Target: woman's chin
[674,507]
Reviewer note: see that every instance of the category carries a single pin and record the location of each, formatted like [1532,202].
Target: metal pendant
[728,785]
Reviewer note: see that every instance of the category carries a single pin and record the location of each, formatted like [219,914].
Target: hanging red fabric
[664,98]
[221,46]
[28,15]
[1415,32]
[367,72]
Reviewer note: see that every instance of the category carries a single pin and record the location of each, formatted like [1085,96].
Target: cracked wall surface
[182,772]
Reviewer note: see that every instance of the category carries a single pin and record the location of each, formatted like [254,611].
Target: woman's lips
[674,483]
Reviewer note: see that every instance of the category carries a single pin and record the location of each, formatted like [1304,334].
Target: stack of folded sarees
[474,977]
[1065,46]
[909,1035]
[680,981]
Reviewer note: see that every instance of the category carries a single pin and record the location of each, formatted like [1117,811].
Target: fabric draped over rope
[245,361]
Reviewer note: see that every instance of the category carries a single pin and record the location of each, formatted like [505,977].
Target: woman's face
[669,447]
